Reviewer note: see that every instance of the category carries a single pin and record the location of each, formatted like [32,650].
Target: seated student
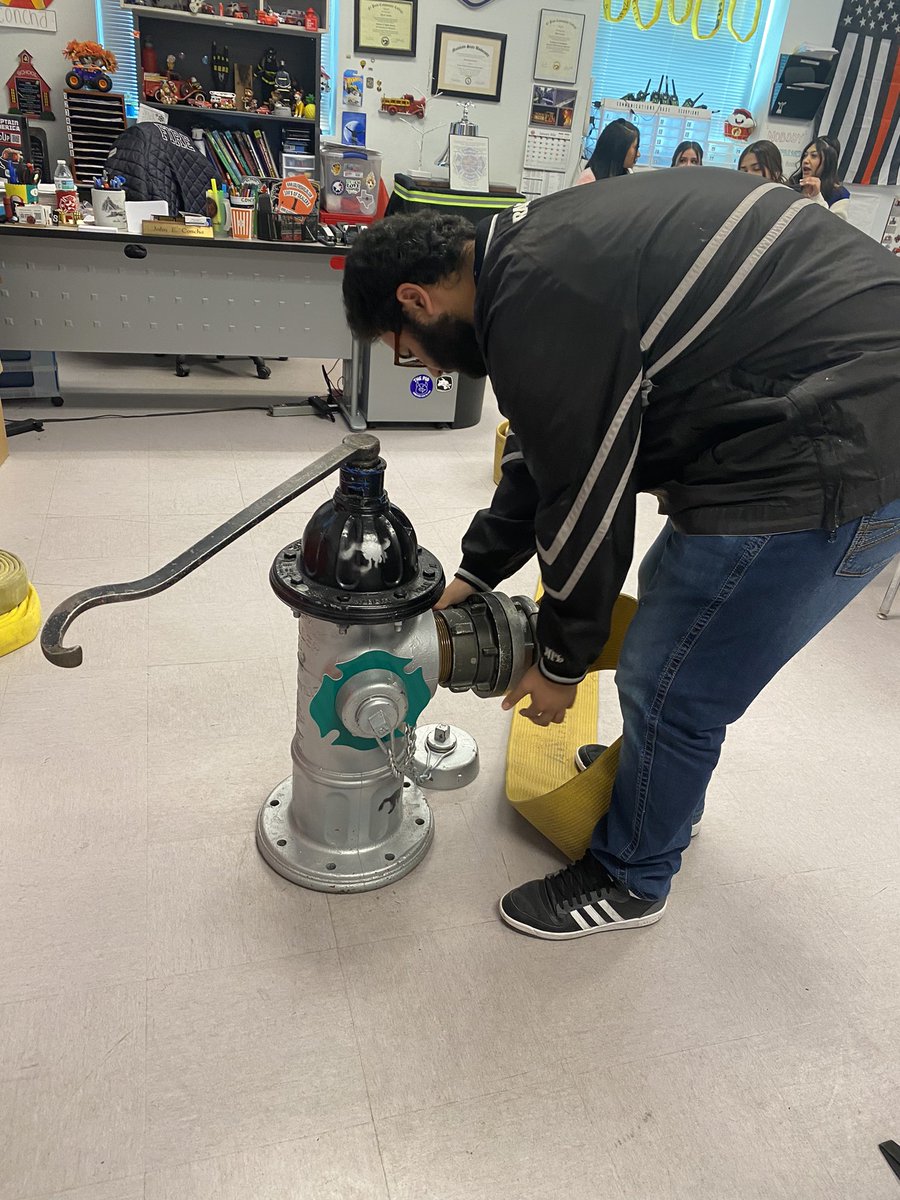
[688,154]
[762,158]
[616,152]
[816,177]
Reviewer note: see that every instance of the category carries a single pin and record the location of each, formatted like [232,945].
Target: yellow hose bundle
[541,781]
[20,608]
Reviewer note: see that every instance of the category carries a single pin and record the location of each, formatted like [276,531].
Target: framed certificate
[467,63]
[385,27]
[558,46]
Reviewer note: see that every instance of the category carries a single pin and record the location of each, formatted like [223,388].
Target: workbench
[85,291]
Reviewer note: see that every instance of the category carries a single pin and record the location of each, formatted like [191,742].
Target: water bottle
[66,191]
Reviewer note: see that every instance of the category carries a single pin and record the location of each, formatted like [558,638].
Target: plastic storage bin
[350,179]
[298,164]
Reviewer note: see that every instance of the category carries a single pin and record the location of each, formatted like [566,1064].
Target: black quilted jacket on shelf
[161,163]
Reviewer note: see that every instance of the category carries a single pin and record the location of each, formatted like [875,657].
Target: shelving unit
[225,115]
[93,123]
[177,14]
[190,37]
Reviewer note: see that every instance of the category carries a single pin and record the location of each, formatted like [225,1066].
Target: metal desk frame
[66,289]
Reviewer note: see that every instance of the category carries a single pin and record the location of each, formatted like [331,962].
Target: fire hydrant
[372,653]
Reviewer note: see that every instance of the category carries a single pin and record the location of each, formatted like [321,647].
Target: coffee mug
[109,208]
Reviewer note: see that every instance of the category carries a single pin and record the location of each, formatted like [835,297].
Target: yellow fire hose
[541,781]
[20,609]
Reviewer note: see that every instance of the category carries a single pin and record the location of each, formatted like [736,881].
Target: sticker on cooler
[338,187]
[444,383]
[354,187]
[367,203]
[422,386]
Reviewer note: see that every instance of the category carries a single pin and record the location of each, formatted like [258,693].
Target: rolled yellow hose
[20,625]
[13,581]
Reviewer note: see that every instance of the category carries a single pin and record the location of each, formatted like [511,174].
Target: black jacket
[162,163]
[701,335]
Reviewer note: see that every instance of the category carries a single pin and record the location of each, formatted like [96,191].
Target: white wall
[75,19]
[504,123]
[809,22]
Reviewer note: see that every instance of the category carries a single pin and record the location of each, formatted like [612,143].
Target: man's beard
[450,342]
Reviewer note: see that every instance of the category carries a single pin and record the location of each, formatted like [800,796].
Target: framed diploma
[558,46]
[385,27]
[467,63]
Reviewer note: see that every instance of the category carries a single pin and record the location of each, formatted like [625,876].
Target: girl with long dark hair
[615,153]
[688,154]
[817,177]
[762,158]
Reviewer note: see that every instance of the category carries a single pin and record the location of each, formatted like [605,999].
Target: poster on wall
[385,27]
[468,63]
[469,164]
[552,107]
[353,130]
[558,46]
[40,20]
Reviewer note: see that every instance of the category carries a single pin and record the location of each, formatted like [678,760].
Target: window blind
[723,69]
[328,51]
[115,31]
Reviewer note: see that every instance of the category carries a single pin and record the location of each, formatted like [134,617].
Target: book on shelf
[266,152]
[238,153]
[221,156]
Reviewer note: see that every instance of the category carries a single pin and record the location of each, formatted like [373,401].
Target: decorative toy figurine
[220,65]
[309,108]
[739,125]
[406,105]
[90,62]
[265,18]
[267,71]
[297,109]
[29,93]
[168,93]
[311,21]
[281,93]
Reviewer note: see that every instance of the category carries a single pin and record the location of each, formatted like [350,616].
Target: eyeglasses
[406,360]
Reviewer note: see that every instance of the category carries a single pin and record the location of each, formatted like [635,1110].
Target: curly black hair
[422,249]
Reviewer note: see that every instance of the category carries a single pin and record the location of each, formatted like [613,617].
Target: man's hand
[549,701]
[811,186]
[455,592]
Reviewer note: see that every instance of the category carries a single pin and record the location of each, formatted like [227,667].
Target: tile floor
[178,1023]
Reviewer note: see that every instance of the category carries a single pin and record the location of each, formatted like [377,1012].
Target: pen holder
[22,193]
[109,208]
[217,211]
[242,218]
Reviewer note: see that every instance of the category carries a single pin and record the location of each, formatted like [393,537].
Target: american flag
[863,106]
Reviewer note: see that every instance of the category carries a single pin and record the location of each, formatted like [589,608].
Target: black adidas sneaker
[578,900]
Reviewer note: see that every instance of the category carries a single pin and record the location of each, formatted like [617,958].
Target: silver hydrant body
[349,818]
[371,655]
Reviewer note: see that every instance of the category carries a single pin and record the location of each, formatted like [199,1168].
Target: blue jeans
[718,617]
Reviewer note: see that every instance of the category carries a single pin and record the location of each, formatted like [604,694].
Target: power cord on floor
[185,412]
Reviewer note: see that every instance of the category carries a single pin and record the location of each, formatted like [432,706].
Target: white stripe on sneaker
[579,919]
[609,910]
[593,914]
